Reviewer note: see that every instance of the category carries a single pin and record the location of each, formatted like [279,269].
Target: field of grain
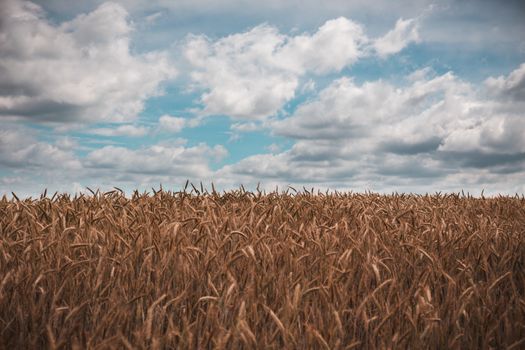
[255,270]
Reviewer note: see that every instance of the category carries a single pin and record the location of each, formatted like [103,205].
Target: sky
[407,96]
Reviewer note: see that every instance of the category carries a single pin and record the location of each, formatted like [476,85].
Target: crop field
[262,270]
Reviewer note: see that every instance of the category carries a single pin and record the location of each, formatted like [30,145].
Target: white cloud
[171,124]
[336,44]
[309,86]
[430,131]
[240,73]
[20,149]
[274,148]
[158,160]
[477,21]
[511,86]
[404,33]
[496,125]
[238,128]
[245,127]
[30,165]
[66,143]
[122,130]
[347,111]
[252,75]
[153,17]
[497,134]
[380,136]
[9,181]
[81,70]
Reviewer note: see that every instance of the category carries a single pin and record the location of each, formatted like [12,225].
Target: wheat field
[242,269]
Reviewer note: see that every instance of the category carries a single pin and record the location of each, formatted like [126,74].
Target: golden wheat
[253,270]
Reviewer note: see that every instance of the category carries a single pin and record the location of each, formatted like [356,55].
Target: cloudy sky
[407,96]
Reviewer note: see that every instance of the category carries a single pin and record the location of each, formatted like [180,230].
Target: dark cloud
[478,159]
[410,170]
[53,111]
[400,147]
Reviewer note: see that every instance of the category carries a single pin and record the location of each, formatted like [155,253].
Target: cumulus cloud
[29,165]
[239,74]
[336,44]
[430,131]
[80,70]
[171,124]
[346,110]
[121,130]
[494,132]
[252,75]
[160,159]
[424,133]
[20,149]
[511,86]
[404,33]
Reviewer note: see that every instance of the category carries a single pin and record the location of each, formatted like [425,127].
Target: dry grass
[252,270]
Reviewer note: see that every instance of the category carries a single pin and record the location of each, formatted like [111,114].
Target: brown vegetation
[253,270]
